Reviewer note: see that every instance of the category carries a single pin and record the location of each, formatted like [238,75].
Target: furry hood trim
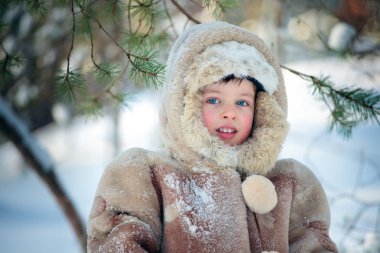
[205,54]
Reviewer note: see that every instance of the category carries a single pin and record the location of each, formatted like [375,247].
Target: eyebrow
[250,95]
[211,91]
[247,95]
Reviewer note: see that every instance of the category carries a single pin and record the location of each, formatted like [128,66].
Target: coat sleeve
[310,214]
[125,216]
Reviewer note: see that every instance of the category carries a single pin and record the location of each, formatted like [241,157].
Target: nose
[229,113]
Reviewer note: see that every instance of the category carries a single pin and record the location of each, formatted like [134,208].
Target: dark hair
[259,86]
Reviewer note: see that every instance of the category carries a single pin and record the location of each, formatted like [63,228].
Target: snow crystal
[193,199]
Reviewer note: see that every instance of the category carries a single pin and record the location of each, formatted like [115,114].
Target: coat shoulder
[137,157]
[131,155]
[294,169]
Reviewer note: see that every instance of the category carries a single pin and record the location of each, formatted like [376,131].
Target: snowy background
[31,221]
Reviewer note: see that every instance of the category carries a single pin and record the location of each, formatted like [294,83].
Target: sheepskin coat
[189,199]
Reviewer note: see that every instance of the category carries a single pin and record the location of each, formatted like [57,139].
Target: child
[219,188]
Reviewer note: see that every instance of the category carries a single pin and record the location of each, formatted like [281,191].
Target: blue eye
[242,103]
[213,101]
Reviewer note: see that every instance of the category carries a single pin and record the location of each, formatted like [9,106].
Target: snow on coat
[190,199]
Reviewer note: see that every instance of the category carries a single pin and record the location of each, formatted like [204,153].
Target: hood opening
[203,55]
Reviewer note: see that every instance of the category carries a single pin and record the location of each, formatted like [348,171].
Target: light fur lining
[255,156]
[259,154]
[184,134]
[231,57]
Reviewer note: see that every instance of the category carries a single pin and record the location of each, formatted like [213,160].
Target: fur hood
[205,54]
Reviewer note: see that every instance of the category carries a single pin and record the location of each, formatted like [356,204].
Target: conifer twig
[151,28]
[195,2]
[170,18]
[131,57]
[113,83]
[129,15]
[106,32]
[179,7]
[92,47]
[348,107]
[72,39]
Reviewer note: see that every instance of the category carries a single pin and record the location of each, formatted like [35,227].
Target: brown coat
[190,200]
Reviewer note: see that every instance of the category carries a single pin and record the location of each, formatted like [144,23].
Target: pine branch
[348,107]
[184,12]
[36,7]
[146,10]
[92,47]
[129,15]
[91,107]
[195,2]
[148,13]
[113,11]
[219,7]
[120,98]
[105,72]
[170,18]
[144,67]
[68,85]
[72,39]
[135,41]
[10,62]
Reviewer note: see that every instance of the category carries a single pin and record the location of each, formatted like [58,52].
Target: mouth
[226,130]
[225,133]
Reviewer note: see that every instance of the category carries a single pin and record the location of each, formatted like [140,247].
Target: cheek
[208,118]
[247,122]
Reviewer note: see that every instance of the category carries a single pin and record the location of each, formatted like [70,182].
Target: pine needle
[147,11]
[69,85]
[91,107]
[37,8]
[136,41]
[146,69]
[349,107]
[105,72]
[219,7]
[9,64]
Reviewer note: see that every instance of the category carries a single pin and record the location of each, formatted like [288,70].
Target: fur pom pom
[259,194]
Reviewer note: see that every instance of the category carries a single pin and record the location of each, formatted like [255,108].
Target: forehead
[236,85]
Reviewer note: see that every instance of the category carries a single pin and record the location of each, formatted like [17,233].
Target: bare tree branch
[41,163]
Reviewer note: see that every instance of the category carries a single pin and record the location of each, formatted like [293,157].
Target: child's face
[228,110]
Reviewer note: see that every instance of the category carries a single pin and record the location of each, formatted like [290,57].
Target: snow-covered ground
[31,221]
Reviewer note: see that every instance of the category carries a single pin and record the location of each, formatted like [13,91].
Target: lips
[226,132]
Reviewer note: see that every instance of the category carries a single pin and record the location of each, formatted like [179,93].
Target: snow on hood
[205,54]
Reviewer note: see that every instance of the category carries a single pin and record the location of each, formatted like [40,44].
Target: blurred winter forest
[80,82]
